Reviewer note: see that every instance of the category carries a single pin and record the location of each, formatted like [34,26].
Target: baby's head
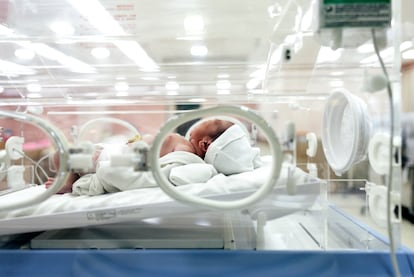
[206,132]
[225,145]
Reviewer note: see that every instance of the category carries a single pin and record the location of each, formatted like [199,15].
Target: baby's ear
[204,144]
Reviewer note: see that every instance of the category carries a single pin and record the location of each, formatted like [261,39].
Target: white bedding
[181,168]
[69,210]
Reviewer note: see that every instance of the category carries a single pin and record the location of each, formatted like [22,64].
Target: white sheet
[68,210]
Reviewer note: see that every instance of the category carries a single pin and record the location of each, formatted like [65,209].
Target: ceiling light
[100,52]
[223,84]
[194,23]
[24,53]
[34,95]
[150,69]
[199,50]
[79,80]
[197,100]
[136,53]
[48,52]
[223,92]
[190,37]
[33,88]
[122,94]
[337,73]
[42,50]
[62,28]
[9,69]
[258,91]
[336,83]
[121,86]
[223,76]
[75,65]
[149,78]
[172,86]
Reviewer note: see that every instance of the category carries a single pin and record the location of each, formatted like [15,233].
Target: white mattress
[67,210]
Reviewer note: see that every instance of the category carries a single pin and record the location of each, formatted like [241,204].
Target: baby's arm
[168,145]
[68,185]
[175,142]
[73,176]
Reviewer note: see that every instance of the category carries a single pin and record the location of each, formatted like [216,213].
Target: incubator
[309,169]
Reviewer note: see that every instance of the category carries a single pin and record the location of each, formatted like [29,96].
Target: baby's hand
[65,189]
[49,182]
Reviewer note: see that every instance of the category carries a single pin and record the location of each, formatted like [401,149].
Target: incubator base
[308,230]
[204,231]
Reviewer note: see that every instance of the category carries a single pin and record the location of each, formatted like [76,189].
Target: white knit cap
[231,153]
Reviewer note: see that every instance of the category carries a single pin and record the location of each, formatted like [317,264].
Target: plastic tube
[243,112]
[61,144]
[394,260]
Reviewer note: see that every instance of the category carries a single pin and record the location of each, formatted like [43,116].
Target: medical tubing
[36,165]
[62,150]
[118,121]
[200,202]
[391,152]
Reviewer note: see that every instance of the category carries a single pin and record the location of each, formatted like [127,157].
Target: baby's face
[205,133]
[198,134]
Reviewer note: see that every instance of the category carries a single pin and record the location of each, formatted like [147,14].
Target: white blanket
[219,185]
[181,168]
[69,211]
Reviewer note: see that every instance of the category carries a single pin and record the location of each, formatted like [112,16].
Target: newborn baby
[224,146]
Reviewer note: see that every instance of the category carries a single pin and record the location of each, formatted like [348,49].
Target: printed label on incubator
[131,211]
[112,214]
[101,215]
[356,13]
[123,12]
